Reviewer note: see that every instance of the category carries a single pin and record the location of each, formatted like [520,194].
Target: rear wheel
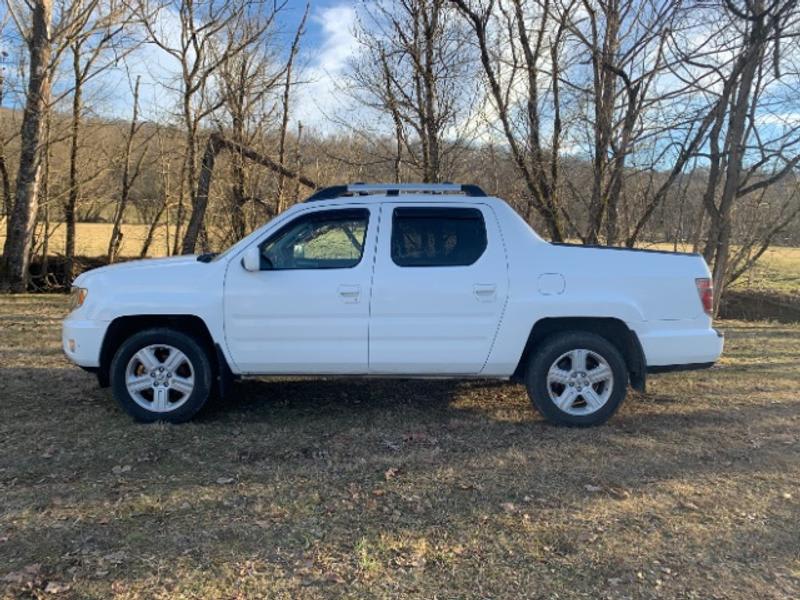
[161,375]
[577,378]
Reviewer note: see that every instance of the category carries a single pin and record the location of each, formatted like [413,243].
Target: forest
[616,122]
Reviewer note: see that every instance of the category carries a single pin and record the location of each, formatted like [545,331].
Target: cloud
[318,96]
[159,72]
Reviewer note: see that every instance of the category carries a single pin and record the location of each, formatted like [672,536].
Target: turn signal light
[77,297]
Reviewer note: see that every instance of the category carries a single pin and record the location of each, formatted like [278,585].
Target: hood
[162,265]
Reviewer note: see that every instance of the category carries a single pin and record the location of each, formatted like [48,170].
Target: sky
[326,47]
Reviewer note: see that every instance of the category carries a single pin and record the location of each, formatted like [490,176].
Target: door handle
[350,293]
[485,292]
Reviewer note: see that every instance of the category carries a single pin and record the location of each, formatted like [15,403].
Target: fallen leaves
[615,491]
[54,587]
[391,473]
[30,578]
[498,497]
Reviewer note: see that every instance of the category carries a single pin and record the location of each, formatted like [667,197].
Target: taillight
[705,289]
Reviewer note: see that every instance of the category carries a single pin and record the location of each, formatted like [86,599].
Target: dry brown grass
[324,489]
[92,239]
[778,269]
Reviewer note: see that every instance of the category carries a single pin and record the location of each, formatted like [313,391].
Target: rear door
[439,289]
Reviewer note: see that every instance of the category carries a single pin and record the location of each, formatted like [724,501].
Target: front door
[307,309]
[439,289]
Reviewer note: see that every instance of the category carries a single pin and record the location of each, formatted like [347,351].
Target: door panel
[430,320]
[298,319]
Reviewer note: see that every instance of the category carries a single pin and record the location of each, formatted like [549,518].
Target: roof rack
[394,189]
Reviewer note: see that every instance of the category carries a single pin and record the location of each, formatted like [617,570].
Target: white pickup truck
[394,280]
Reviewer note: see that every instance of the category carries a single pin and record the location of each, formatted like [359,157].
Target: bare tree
[285,106]
[87,45]
[131,169]
[203,48]
[46,38]
[521,49]
[735,136]
[5,179]
[164,193]
[415,67]
[625,42]
[21,223]
[255,85]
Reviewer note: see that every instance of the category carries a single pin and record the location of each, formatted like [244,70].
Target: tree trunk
[198,205]
[736,148]
[74,184]
[6,183]
[148,239]
[430,22]
[280,203]
[115,242]
[217,143]
[16,258]
[4,178]
[297,160]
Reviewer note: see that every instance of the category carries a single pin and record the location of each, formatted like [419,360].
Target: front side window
[330,239]
[437,237]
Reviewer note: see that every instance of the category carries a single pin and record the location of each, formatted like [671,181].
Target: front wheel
[161,375]
[577,379]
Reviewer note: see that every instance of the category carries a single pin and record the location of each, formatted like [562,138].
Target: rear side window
[437,237]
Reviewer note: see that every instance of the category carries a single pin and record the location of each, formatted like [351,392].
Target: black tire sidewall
[550,350]
[186,344]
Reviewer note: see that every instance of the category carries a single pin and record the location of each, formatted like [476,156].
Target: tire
[161,375]
[565,392]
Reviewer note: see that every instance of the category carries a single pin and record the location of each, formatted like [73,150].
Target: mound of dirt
[757,305]
[53,280]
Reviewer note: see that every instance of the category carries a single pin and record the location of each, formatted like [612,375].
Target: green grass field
[314,488]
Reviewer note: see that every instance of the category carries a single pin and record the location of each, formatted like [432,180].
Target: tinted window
[437,237]
[331,239]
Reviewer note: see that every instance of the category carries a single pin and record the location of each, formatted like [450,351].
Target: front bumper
[82,340]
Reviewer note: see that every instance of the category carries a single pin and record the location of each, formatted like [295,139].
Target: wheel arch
[123,327]
[612,329]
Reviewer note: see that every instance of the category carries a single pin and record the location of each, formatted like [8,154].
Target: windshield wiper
[207,257]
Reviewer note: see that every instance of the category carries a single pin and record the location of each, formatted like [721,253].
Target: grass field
[374,489]
[778,269]
[92,239]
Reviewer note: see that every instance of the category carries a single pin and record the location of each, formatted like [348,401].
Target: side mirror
[251,260]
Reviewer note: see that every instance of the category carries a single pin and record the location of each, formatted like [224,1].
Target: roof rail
[394,189]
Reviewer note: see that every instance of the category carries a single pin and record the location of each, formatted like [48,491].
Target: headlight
[77,297]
